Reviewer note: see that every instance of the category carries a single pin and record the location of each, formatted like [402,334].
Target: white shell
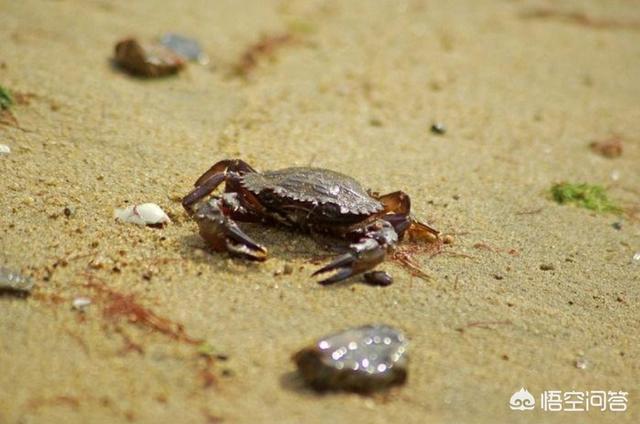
[144,214]
[4,149]
[80,303]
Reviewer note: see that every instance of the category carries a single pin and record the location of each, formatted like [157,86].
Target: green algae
[592,197]
[6,100]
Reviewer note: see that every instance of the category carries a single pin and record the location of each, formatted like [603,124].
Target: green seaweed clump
[593,197]
[6,100]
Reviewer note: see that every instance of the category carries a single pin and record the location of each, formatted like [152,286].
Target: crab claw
[240,244]
[365,256]
[223,234]
[420,231]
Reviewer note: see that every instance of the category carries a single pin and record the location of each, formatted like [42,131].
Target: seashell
[80,303]
[186,47]
[14,281]
[144,214]
[362,359]
[147,59]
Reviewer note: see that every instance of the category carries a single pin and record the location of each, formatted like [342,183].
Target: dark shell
[378,278]
[316,186]
[362,359]
[147,59]
[14,281]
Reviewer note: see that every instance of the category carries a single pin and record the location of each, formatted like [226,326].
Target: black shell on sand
[12,281]
[362,359]
[315,185]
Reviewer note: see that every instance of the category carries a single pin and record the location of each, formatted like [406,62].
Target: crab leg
[211,179]
[397,206]
[364,255]
[222,233]
[222,166]
[202,191]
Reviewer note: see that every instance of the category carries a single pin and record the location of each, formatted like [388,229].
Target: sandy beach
[531,293]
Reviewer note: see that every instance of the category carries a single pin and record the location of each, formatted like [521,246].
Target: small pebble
[4,149]
[438,128]
[636,258]
[447,239]
[144,214]
[81,303]
[581,363]
[378,278]
[609,148]
[69,211]
[286,270]
[362,359]
[547,267]
[147,59]
[14,281]
[186,47]
[617,225]
[101,262]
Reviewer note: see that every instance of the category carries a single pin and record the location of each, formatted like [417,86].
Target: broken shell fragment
[362,359]
[144,214]
[4,149]
[147,59]
[14,282]
[81,303]
[186,47]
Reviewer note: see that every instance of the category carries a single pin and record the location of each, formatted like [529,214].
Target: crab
[314,200]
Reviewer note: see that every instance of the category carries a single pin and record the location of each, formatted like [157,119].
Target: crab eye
[330,210]
[268,198]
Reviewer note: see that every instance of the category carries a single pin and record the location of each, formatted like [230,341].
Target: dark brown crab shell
[316,186]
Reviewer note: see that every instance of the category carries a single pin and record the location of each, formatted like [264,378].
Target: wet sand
[177,333]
